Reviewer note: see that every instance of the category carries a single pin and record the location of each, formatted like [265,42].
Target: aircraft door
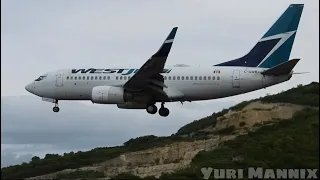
[236,79]
[59,79]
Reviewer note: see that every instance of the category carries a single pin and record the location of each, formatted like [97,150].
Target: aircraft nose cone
[29,87]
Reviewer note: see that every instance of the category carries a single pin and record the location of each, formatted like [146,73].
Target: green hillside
[303,95]
[290,143]
[287,144]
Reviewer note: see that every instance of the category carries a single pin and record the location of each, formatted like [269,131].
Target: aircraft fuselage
[194,83]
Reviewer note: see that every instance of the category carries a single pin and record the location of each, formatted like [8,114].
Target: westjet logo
[110,71]
[283,37]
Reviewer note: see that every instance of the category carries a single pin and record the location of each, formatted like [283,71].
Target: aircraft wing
[148,78]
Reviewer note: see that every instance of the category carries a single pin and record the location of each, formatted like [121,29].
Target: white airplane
[265,65]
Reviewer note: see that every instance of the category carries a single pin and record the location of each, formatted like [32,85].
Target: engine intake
[109,95]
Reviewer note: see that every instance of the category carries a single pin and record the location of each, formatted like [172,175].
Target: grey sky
[39,36]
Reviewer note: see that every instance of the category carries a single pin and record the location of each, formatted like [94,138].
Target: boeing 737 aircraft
[265,65]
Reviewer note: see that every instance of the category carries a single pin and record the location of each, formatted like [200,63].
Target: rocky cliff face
[155,161]
[254,114]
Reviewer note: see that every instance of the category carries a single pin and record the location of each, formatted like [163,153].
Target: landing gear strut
[164,112]
[152,109]
[56,107]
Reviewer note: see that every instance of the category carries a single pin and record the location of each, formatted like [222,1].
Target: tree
[35,158]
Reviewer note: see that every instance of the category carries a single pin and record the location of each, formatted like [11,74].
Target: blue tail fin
[275,46]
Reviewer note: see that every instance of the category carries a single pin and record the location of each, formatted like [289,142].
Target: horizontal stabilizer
[281,69]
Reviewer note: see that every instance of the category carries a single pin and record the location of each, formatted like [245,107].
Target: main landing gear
[152,109]
[56,107]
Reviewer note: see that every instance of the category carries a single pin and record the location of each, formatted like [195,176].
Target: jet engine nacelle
[109,95]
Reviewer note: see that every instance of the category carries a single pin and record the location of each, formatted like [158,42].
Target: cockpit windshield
[41,77]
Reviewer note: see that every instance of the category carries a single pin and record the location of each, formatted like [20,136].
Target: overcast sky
[39,36]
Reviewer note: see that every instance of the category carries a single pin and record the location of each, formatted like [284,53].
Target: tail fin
[275,46]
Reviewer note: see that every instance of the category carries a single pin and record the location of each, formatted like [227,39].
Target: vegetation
[201,123]
[125,176]
[54,162]
[303,95]
[81,174]
[150,141]
[240,106]
[226,131]
[286,144]
[242,123]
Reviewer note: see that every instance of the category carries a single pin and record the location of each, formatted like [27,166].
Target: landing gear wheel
[152,109]
[56,109]
[164,112]
[56,106]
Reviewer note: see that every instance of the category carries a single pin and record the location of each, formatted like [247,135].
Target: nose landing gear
[56,107]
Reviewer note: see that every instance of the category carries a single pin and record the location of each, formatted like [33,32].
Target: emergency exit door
[59,79]
[236,79]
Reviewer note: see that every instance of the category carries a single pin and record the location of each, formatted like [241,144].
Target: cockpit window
[41,77]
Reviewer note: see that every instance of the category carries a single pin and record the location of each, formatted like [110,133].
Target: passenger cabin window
[209,78]
[88,77]
[100,77]
[116,77]
[71,77]
[182,77]
[67,77]
[178,77]
[213,78]
[191,77]
[75,78]
[108,77]
[200,77]
[173,78]
[196,78]
[104,78]
[125,77]
[218,78]
[187,77]
[169,77]
[96,78]
[91,77]
[205,78]
[165,77]
[120,77]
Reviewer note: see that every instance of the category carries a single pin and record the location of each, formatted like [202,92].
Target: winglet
[281,69]
[166,46]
